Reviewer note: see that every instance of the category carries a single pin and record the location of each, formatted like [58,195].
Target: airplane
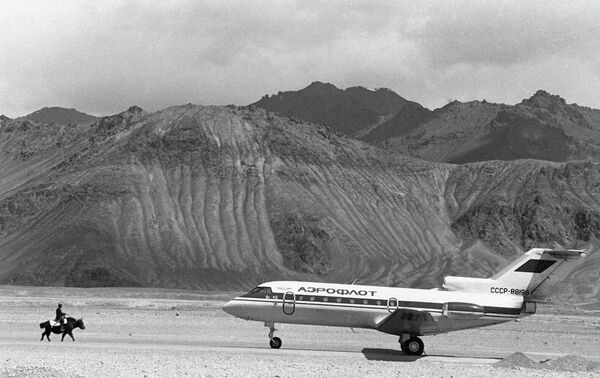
[461,302]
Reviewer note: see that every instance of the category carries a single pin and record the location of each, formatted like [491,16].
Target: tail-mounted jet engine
[459,310]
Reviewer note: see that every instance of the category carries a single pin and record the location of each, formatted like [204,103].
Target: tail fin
[532,275]
[537,271]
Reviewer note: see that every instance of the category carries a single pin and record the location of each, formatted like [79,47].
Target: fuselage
[362,306]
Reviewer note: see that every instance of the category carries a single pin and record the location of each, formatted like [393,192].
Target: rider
[60,316]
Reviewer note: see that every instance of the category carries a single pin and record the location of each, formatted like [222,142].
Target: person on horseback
[60,317]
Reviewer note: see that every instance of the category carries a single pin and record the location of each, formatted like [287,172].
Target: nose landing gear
[274,342]
[411,345]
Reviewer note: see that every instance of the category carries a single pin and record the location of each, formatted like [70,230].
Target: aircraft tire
[413,346]
[403,347]
[275,343]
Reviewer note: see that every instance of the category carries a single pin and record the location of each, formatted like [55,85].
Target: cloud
[101,57]
[510,32]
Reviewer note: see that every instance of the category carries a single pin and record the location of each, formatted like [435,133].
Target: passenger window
[312,298]
[365,301]
[301,298]
[325,299]
[352,301]
[339,300]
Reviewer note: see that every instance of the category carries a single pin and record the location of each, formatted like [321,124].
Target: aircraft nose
[232,308]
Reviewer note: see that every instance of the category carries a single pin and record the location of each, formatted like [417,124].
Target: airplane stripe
[422,306]
[365,301]
[496,315]
[502,310]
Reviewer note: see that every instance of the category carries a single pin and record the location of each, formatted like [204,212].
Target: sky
[101,57]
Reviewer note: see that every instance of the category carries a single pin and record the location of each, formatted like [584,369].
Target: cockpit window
[259,292]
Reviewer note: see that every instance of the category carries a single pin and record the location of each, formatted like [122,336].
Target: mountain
[61,116]
[347,111]
[406,120]
[226,197]
[542,127]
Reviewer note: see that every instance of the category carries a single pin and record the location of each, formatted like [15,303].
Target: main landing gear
[274,342]
[411,345]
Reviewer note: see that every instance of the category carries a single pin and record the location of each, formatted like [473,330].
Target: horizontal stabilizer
[567,253]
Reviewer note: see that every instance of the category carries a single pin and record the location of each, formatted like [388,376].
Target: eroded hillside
[542,127]
[225,197]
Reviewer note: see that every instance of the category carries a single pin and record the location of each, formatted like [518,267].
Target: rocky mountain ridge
[347,111]
[61,116]
[542,127]
[226,197]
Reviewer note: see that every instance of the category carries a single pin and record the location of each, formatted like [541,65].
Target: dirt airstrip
[160,333]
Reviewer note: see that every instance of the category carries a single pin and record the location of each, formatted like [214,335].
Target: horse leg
[71,334]
[63,336]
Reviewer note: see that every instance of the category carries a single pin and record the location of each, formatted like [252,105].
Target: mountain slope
[61,116]
[542,127]
[406,120]
[347,111]
[223,198]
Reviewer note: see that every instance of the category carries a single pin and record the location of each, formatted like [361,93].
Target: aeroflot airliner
[461,302]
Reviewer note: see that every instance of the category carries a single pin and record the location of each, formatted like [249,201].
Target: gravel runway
[152,335]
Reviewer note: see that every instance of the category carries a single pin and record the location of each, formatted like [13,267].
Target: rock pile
[571,362]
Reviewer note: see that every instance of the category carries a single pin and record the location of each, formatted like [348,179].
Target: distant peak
[541,93]
[321,84]
[135,109]
[541,98]
[61,116]
[361,88]
[54,109]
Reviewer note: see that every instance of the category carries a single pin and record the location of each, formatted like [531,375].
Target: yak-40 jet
[461,302]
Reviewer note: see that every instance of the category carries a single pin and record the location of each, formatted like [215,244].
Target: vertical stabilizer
[537,271]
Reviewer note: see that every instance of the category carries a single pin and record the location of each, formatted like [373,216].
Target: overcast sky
[101,57]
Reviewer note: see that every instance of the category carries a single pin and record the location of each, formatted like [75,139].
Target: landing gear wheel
[403,347]
[275,343]
[413,346]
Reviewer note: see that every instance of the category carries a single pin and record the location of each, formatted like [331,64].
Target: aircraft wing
[408,321]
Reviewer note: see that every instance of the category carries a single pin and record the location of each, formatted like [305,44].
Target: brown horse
[68,328]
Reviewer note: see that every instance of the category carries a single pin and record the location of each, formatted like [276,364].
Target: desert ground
[167,333]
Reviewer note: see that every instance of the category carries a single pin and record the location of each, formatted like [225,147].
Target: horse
[69,326]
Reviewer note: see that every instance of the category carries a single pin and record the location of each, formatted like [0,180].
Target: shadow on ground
[374,354]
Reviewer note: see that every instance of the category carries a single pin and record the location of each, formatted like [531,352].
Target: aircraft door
[289,303]
[392,304]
